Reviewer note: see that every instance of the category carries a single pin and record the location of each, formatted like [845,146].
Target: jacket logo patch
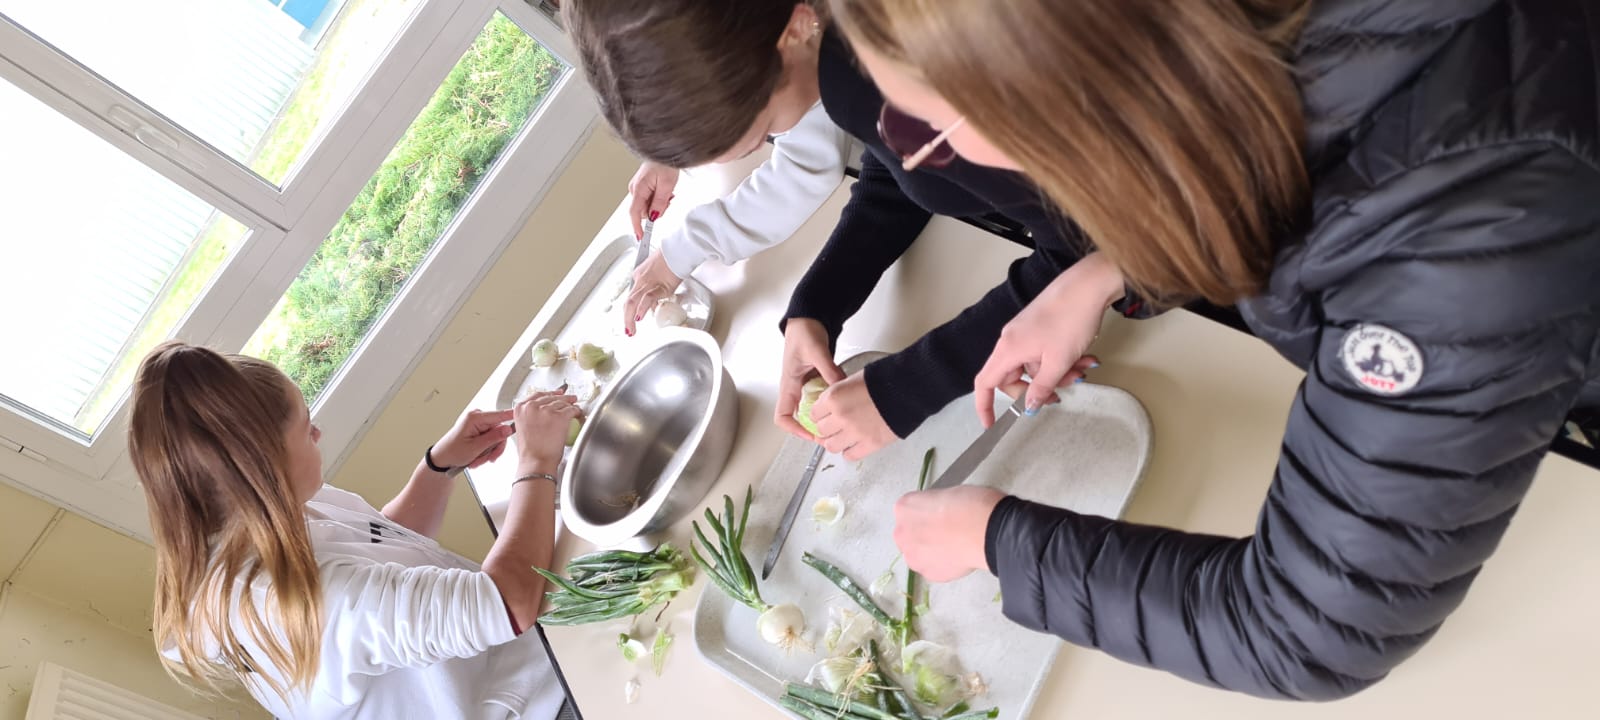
[1381,360]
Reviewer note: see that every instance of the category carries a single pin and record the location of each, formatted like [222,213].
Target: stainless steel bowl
[655,441]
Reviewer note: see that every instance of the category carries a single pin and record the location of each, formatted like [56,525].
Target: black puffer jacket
[1444,304]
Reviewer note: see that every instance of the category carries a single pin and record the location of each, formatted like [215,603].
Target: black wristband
[427,457]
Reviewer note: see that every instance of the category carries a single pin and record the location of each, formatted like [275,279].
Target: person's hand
[941,533]
[478,437]
[542,422]
[651,189]
[805,353]
[848,423]
[652,281]
[1049,339]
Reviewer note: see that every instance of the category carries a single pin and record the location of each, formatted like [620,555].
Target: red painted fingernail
[654,214]
[629,332]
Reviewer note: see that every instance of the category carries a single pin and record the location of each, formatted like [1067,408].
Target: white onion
[783,625]
[591,356]
[545,353]
[631,649]
[670,313]
[828,510]
[834,674]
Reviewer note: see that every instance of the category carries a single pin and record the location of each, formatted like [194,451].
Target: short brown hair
[680,81]
[1171,132]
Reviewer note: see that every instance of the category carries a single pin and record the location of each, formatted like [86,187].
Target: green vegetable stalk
[614,584]
[781,625]
[896,626]
[908,619]
[897,694]
[728,567]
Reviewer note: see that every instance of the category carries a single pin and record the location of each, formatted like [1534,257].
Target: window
[322,181]
[254,81]
[95,267]
[407,205]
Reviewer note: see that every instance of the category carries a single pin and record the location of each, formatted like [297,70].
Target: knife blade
[643,253]
[980,448]
[791,511]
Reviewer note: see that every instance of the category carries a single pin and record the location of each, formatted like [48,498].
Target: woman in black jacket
[1401,198]
[687,82]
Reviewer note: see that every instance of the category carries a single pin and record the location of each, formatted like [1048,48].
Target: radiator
[62,694]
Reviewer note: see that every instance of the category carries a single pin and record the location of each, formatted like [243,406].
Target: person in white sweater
[808,162]
[318,604]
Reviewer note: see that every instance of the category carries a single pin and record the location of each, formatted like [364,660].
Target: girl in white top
[809,155]
[807,164]
[320,605]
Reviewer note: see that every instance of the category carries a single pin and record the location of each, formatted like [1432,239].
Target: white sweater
[807,163]
[411,630]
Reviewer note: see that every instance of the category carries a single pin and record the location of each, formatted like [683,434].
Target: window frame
[288,224]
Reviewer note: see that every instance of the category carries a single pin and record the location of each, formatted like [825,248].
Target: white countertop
[1524,644]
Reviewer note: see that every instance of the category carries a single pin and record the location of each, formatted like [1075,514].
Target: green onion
[814,712]
[728,568]
[613,584]
[908,619]
[854,592]
[781,625]
[989,714]
[896,693]
[825,699]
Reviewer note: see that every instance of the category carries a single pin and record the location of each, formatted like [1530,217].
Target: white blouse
[807,164]
[410,630]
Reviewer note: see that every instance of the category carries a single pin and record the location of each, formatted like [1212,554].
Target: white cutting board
[1086,454]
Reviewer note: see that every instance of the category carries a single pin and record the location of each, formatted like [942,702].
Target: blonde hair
[207,440]
[1170,131]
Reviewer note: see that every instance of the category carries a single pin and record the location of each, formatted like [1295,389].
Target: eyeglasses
[915,141]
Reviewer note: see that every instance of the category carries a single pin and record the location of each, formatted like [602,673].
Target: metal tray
[1087,454]
[592,313]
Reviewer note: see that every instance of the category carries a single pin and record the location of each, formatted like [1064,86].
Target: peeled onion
[545,353]
[783,625]
[808,397]
[670,313]
[591,356]
[828,510]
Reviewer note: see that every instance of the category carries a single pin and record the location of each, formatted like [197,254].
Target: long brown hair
[680,81]
[1171,132]
[207,440]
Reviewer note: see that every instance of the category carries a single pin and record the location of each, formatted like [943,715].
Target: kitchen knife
[975,453]
[791,511]
[643,253]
